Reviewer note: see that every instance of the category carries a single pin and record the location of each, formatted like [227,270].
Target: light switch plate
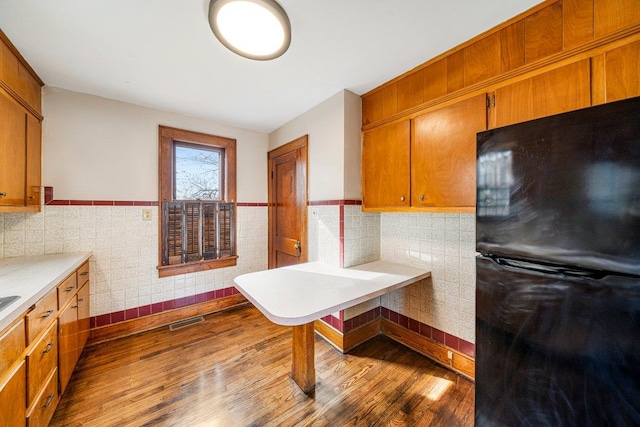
[146,214]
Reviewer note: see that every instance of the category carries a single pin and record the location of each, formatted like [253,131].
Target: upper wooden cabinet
[13,148]
[443,155]
[549,32]
[616,74]
[385,166]
[20,132]
[557,91]
[426,163]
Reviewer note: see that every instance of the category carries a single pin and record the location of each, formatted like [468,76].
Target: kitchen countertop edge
[31,294]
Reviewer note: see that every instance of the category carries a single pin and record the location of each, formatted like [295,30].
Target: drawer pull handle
[31,197]
[75,306]
[80,299]
[3,194]
[49,399]
[84,273]
[47,314]
[48,349]
[70,288]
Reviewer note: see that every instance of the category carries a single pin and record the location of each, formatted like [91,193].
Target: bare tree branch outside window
[197,173]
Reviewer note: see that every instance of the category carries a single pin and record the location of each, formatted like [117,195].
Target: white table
[299,294]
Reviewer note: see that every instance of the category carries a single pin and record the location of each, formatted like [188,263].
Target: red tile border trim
[52,202]
[430,332]
[146,310]
[426,331]
[100,203]
[334,202]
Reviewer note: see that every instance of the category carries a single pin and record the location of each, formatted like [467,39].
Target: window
[197,201]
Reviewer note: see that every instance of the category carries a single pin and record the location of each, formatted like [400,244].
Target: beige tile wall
[445,245]
[125,251]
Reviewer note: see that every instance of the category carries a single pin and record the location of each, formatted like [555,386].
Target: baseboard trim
[353,338]
[146,323]
[459,362]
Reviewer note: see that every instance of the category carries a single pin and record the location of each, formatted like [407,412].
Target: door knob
[422,197]
[298,248]
[402,198]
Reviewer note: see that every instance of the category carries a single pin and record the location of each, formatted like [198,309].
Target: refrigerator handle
[548,269]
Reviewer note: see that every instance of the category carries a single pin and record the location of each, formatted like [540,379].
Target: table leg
[302,367]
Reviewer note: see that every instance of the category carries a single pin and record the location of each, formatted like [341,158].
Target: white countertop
[33,277]
[302,293]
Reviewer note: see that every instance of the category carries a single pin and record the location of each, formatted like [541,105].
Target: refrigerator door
[553,350]
[564,189]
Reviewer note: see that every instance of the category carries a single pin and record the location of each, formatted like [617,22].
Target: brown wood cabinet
[12,392]
[73,322]
[443,154]
[13,150]
[12,375]
[20,132]
[39,346]
[542,95]
[427,162]
[385,166]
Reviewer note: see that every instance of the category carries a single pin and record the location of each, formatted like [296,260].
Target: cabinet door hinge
[491,100]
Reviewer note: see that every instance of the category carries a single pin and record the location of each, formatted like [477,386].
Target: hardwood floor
[234,370]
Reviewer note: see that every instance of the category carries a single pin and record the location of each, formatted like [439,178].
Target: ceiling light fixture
[255,29]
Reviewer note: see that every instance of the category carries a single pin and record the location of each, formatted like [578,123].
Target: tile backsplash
[445,245]
[125,255]
[125,251]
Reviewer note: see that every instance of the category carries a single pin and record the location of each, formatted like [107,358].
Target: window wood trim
[166,137]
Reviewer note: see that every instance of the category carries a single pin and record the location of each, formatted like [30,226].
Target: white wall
[333,127]
[99,149]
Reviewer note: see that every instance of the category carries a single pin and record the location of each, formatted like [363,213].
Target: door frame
[302,189]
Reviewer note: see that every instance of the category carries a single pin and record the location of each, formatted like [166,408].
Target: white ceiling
[162,53]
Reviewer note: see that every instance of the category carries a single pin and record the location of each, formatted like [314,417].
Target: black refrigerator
[558,270]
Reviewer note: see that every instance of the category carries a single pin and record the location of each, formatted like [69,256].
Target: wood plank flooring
[234,369]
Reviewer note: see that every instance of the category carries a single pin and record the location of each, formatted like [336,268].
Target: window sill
[193,267]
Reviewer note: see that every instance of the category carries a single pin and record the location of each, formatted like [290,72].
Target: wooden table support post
[302,364]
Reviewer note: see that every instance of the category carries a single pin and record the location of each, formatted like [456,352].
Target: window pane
[198,173]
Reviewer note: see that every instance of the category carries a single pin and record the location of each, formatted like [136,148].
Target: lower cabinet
[73,331]
[45,403]
[12,392]
[39,351]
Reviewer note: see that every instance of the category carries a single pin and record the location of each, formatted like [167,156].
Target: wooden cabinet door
[13,152]
[557,91]
[385,166]
[12,398]
[67,342]
[83,317]
[34,160]
[443,154]
[621,72]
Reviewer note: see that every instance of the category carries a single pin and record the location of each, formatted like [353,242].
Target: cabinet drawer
[66,290]
[42,359]
[83,274]
[42,316]
[45,404]
[12,345]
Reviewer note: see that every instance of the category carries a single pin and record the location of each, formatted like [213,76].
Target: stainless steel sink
[6,301]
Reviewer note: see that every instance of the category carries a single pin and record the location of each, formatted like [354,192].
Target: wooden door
[13,150]
[288,204]
[443,154]
[385,166]
[557,91]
